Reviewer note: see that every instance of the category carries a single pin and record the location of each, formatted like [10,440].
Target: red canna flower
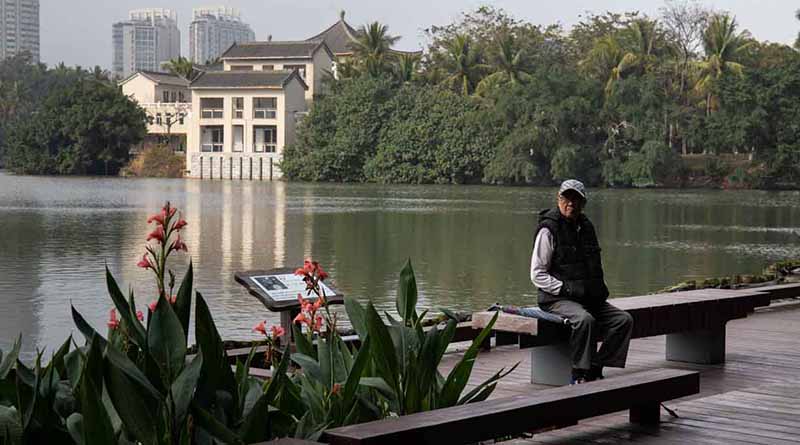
[336,389]
[140,315]
[113,323]
[145,263]
[157,234]
[300,272]
[181,223]
[153,305]
[261,327]
[301,318]
[167,210]
[172,299]
[158,218]
[178,245]
[277,331]
[318,323]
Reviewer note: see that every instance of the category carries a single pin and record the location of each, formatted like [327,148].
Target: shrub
[157,161]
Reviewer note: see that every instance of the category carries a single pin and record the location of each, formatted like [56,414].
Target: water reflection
[470,245]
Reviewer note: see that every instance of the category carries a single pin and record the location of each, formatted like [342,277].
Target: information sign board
[285,287]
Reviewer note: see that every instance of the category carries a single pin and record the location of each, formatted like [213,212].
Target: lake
[470,245]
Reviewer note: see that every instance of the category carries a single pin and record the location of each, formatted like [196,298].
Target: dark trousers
[590,324]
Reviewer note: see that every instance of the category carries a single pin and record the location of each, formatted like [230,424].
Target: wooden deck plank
[750,399]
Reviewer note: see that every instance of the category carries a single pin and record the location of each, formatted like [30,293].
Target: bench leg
[551,365]
[705,346]
[646,413]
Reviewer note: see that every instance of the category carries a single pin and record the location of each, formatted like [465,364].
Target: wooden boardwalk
[754,398]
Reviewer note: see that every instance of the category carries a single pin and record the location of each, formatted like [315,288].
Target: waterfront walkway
[754,398]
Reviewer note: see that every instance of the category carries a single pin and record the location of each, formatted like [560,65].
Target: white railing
[183,106]
[211,113]
[210,148]
[265,148]
[264,113]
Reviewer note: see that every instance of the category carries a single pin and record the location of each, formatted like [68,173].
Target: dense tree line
[618,100]
[64,120]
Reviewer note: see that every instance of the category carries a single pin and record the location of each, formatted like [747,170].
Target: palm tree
[509,64]
[406,67]
[645,42]
[181,66]
[463,63]
[723,47]
[372,48]
[607,62]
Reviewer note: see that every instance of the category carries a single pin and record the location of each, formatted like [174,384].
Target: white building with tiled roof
[167,101]
[312,60]
[242,121]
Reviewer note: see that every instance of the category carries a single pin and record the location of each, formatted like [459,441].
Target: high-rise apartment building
[19,28]
[213,30]
[145,41]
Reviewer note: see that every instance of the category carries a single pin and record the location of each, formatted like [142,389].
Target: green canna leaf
[407,295]
[86,329]
[301,341]
[357,316]
[97,427]
[139,406]
[459,375]
[183,300]
[8,362]
[125,311]
[383,351]
[165,341]
[184,386]
[216,374]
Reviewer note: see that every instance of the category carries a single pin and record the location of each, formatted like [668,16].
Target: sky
[78,32]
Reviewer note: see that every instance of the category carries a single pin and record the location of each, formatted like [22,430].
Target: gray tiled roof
[271,50]
[160,78]
[338,37]
[341,37]
[245,79]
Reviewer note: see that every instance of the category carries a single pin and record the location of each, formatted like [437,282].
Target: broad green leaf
[206,421]
[125,311]
[216,374]
[184,387]
[183,300]
[407,294]
[326,361]
[134,400]
[97,427]
[8,362]
[75,427]
[383,352]
[459,375]
[58,358]
[354,376]
[74,363]
[86,329]
[127,367]
[310,366]
[357,316]
[484,390]
[379,384]
[301,341]
[166,342]
[10,424]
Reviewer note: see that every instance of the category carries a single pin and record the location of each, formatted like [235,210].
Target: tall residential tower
[19,28]
[145,41]
[215,29]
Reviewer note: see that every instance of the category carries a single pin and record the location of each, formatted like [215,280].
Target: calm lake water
[470,245]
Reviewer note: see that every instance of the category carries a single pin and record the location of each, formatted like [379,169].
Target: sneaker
[495,308]
[595,373]
[578,376]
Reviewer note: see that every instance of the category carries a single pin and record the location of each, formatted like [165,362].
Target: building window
[173,97]
[180,118]
[181,98]
[265,139]
[238,107]
[165,96]
[158,118]
[211,107]
[241,67]
[211,138]
[264,107]
[267,67]
[238,138]
[301,69]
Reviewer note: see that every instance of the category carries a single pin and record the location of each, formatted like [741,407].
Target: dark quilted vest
[576,258]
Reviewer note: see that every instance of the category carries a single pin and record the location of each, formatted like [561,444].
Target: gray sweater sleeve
[540,263]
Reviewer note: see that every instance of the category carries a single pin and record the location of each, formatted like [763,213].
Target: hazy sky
[78,32]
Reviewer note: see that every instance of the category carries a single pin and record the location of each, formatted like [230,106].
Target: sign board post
[277,289]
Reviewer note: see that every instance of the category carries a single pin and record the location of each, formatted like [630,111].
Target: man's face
[570,203]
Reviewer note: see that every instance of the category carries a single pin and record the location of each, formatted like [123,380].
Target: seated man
[567,270]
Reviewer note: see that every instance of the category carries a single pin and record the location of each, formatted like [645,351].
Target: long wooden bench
[693,321]
[640,392]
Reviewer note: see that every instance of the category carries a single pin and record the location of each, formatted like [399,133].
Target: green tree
[372,49]
[724,46]
[797,42]
[181,66]
[463,63]
[87,127]
[406,69]
[508,61]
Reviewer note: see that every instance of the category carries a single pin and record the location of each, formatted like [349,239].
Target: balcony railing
[264,113]
[211,113]
[265,148]
[212,147]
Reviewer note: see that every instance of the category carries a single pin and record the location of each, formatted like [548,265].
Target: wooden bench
[693,321]
[640,392]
